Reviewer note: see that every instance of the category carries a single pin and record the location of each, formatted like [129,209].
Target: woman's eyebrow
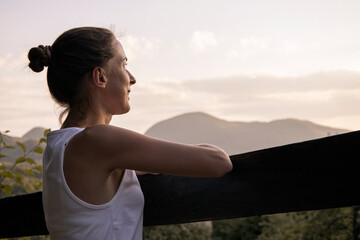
[122,60]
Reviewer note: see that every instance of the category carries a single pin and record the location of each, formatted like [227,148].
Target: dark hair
[74,54]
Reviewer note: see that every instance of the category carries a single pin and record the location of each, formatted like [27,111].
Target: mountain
[237,137]
[198,127]
[29,139]
[35,133]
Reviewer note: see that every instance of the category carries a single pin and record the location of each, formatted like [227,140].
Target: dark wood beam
[316,174]
[22,216]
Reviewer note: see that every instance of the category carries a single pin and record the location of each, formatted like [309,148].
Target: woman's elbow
[225,169]
[224,166]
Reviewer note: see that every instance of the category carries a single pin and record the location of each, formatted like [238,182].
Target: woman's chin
[126,110]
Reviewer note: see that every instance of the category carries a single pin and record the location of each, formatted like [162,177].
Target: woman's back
[69,217]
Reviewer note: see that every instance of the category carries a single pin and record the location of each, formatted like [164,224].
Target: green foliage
[243,228]
[24,173]
[284,226]
[189,231]
[329,224]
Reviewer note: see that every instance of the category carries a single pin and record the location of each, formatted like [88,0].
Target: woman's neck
[77,119]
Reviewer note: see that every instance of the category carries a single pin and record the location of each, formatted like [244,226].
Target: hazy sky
[244,60]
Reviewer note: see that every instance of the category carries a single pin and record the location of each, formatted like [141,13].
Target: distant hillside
[197,127]
[35,133]
[30,139]
[237,137]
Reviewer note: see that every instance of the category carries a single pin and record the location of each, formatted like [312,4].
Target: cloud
[253,43]
[247,47]
[202,40]
[300,96]
[136,47]
[325,97]
[10,62]
[329,98]
[289,47]
[254,46]
[24,98]
[264,83]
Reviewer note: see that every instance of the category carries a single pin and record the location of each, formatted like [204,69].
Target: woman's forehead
[119,50]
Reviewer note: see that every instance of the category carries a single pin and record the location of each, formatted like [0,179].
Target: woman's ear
[98,77]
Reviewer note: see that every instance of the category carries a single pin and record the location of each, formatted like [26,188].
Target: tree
[237,229]
[23,173]
[328,224]
[189,231]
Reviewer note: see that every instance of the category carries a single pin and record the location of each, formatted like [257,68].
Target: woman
[90,187]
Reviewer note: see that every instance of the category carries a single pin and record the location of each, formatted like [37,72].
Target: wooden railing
[316,174]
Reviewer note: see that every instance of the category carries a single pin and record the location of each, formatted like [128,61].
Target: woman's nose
[132,78]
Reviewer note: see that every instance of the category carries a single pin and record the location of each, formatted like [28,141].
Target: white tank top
[68,217]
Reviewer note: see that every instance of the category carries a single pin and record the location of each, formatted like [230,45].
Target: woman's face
[119,81]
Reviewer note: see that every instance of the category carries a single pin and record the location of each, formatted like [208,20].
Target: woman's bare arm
[112,147]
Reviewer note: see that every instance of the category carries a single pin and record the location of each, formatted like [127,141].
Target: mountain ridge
[235,136]
[34,133]
[199,127]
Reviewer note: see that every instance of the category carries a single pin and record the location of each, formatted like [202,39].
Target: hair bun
[39,57]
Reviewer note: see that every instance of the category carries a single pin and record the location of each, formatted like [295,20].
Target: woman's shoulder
[100,138]
[105,132]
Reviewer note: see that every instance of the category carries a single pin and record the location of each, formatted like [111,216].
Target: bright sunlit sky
[241,60]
